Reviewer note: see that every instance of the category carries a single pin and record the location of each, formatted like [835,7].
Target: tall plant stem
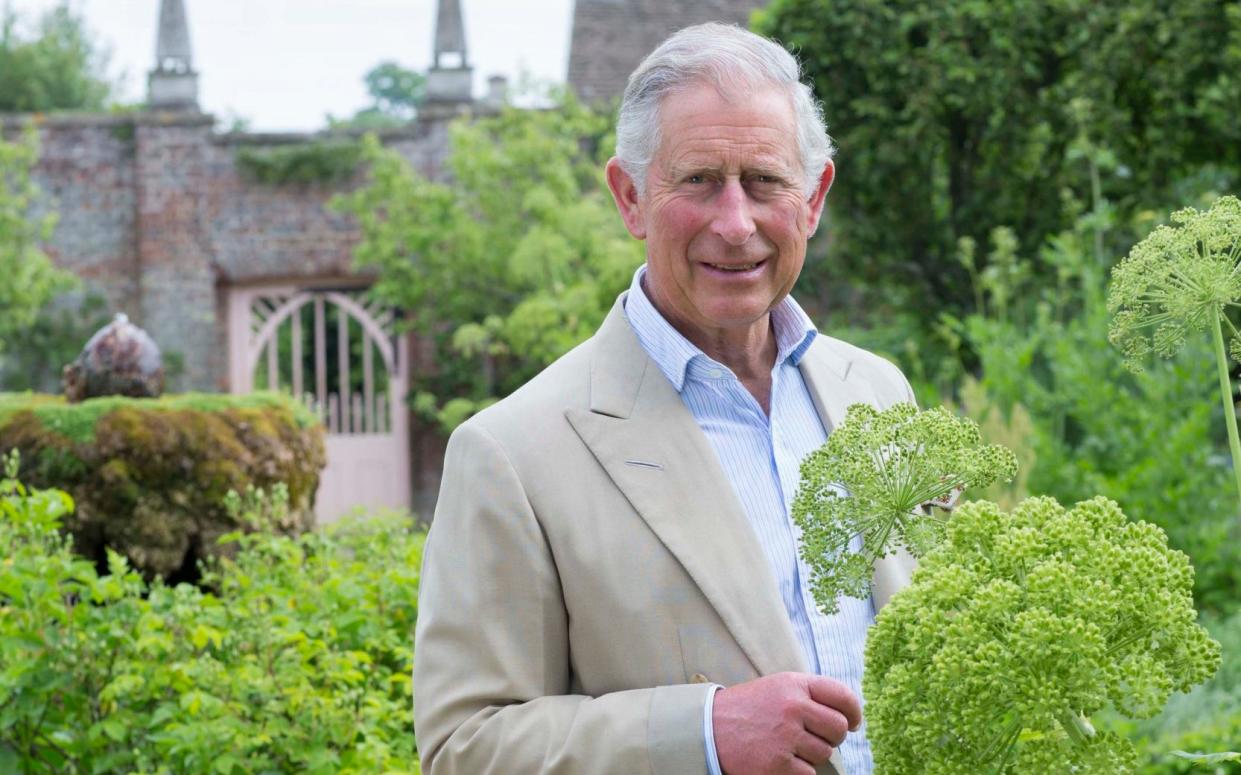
[1230,410]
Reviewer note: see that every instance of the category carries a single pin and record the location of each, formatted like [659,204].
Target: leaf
[114,728]
[1209,758]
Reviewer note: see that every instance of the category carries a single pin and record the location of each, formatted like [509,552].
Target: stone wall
[155,214]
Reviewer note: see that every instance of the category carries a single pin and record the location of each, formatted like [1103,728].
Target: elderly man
[611,583]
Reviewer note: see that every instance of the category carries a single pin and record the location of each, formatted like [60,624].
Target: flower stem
[1078,728]
[1230,410]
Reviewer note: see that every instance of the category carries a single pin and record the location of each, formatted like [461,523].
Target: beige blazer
[589,570]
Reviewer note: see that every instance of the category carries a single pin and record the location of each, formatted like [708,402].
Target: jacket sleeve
[492,670]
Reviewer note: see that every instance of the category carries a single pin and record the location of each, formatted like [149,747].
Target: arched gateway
[344,360]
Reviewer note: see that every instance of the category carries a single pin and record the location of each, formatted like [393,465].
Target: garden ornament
[119,360]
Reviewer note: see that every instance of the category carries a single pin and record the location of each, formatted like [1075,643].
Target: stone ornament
[119,360]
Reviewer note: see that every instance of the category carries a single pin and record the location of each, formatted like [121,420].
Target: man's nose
[733,222]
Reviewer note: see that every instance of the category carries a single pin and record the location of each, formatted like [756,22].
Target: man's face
[724,215]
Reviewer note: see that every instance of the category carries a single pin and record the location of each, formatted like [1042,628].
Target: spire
[173,84]
[449,35]
[450,78]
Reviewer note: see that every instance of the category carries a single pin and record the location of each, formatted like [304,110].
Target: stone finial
[173,84]
[497,90]
[119,360]
[449,35]
[450,78]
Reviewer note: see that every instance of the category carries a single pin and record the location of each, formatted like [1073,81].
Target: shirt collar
[673,353]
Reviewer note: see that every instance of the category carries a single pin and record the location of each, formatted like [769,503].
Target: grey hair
[732,60]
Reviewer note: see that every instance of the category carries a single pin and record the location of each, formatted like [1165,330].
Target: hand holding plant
[872,478]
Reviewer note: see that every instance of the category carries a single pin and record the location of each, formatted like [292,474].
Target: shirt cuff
[708,732]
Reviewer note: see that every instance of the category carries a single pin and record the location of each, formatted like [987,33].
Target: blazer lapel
[652,448]
[825,368]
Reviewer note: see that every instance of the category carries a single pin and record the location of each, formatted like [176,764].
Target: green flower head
[1021,625]
[1177,282]
[872,478]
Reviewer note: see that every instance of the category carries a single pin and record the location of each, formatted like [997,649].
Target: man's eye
[696,179]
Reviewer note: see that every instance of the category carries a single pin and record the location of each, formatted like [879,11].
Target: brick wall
[610,37]
[155,215]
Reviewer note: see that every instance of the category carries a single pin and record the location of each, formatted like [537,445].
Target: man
[612,543]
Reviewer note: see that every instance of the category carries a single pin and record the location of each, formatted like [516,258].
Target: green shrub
[149,475]
[1151,441]
[299,659]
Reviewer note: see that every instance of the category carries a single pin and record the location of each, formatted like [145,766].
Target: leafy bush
[298,659]
[149,475]
[970,111]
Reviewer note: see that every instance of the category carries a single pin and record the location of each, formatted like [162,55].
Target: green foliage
[30,279]
[509,265]
[149,475]
[58,67]
[297,660]
[1021,626]
[954,118]
[55,337]
[872,479]
[395,91]
[1013,430]
[301,163]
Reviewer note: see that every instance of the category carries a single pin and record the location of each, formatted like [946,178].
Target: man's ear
[820,195]
[625,193]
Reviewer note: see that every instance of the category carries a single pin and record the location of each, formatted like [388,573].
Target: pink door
[346,362]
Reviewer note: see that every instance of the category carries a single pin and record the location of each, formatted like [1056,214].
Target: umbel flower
[1020,626]
[1178,282]
[873,478]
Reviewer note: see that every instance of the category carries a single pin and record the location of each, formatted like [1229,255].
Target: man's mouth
[735,267]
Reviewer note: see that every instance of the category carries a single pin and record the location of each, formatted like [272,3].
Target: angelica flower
[872,478]
[1179,282]
[1017,628]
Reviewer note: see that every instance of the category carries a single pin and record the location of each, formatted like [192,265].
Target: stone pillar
[177,286]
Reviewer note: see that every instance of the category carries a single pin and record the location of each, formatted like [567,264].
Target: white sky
[284,64]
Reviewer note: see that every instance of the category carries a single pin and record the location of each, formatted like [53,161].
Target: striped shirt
[761,456]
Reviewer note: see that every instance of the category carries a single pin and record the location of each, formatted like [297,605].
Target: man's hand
[782,724]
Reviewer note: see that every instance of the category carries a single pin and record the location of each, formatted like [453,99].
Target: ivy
[325,161]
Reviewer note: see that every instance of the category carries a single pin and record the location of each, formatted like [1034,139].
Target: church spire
[173,84]
[450,78]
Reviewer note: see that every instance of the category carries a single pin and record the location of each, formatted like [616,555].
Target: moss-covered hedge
[149,476]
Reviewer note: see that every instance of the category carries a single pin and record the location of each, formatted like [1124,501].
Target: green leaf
[1209,758]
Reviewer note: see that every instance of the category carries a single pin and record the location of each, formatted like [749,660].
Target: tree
[954,118]
[30,279]
[509,265]
[395,91]
[57,68]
